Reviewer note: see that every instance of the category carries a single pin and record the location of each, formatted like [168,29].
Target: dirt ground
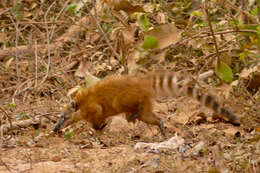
[50,48]
[206,145]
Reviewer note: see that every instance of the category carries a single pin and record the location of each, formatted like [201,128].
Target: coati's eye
[73,105]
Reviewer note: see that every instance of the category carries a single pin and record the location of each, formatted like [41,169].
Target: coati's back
[116,94]
[133,95]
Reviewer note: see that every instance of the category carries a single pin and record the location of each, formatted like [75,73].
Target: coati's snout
[62,122]
[67,117]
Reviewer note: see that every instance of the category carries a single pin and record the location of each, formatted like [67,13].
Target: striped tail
[173,84]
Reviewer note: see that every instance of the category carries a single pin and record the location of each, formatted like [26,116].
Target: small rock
[56,159]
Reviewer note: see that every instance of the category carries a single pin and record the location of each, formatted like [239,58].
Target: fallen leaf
[83,72]
[182,118]
[165,34]
[246,72]
[195,151]
[225,89]
[131,61]
[154,163]
[90,79]
[8,63]
[230,131]
[125,6]
[83,68]
[71,65]
[73,90]
[129,34]
[2,36]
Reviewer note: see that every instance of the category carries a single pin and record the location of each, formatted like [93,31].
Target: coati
[133,95]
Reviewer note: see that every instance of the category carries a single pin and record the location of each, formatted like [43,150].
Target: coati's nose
[56,128]
[60,123]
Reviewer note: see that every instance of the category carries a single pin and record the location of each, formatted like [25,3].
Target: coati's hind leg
[149,117]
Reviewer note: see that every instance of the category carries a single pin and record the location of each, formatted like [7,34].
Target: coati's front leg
[130,117]
[99,124]
[151,118]
[98,119]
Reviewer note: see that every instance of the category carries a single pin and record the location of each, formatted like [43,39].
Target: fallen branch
[206,75]
[58,43]
[25,50]
[38,119]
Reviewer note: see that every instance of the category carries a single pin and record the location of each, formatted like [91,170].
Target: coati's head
[71,112]
[77,109]
[68,116]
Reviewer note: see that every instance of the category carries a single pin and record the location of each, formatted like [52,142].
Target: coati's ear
[73,105]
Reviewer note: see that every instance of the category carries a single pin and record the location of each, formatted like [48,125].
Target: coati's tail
[173,84]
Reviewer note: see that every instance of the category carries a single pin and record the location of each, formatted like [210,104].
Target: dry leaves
[165,34]
[125,6]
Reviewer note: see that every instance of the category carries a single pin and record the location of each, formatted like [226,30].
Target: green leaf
[106,26]
[71,9]
[60,81]
[249,27]
[16,10]
[242,56]
[224,72]
[11,105]
[16,7]
[142,61]
[143,22]
[68,135]
[149,42]
[254,11]
[258,38]
[196,13]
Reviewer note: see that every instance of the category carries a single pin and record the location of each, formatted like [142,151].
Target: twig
[101,30]
[48,43]
[6,166]
[36,63]
[16,46]
[21,124]
[24,49]
[213,54]
[20,86]
[241,30]
[4,11]
[34,22]
[8,118]
[221,51]
[230,5]
[208,34]
[75,29]
[57,17]
[211,30]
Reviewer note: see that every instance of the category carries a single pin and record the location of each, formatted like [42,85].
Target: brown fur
[133,96]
